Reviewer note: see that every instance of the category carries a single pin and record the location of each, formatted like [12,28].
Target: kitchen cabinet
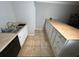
[49,29]
[53,35]
[22,35]
[12,49]
[56,40]
[71,49]
[62,44]
[58,43]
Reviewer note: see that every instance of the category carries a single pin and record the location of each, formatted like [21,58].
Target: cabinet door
[49,29]
[22,35]
[58,43]
[53,35]
[50,33]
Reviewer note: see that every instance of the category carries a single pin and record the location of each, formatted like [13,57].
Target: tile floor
[36,46]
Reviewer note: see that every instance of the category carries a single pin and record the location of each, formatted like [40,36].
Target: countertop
[6,38]
[69,32]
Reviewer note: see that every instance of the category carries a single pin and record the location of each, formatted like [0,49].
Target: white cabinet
[58,43]
[61,46]
[22,35]
[55,38]
[49,29]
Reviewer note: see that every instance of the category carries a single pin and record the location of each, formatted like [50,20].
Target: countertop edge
[15,34]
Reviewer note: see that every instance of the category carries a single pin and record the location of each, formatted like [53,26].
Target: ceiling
[61,2]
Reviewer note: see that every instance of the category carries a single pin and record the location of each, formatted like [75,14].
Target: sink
[11,30]
[15,29]
[21,24]
[6,30]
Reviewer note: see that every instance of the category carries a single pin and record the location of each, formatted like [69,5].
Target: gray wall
[34,14]
[59,11]
[19,11]
[25,12]
[6,13]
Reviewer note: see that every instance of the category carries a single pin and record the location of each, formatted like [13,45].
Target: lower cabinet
[56,40]
[22,35]
[12,49]
[60,45]
[52,38]
[49,30]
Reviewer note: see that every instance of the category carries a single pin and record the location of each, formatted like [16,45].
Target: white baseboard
[32,34]
[38,29]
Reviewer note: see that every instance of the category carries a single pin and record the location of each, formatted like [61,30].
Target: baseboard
[38,29]
[32,34]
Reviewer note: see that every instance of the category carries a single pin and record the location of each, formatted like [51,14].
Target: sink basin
[17,29]
[6,30]
[21,24]
[11,30]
